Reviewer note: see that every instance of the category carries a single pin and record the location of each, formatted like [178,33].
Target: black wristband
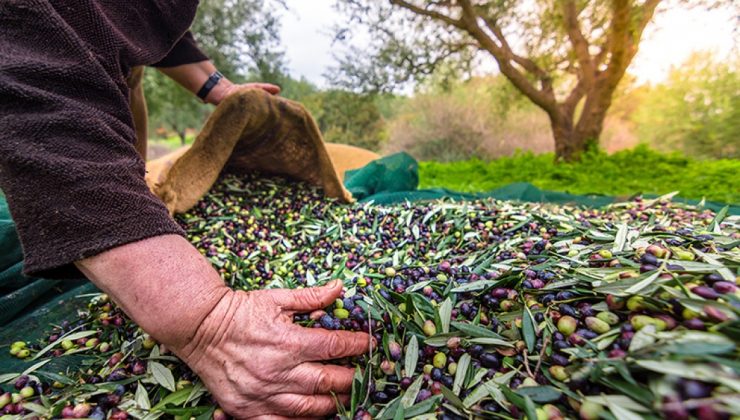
[208,86]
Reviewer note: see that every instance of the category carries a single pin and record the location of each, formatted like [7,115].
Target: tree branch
[429,13]
[579,42]
[569,105]
[623,42]
[545,98]
[526,63]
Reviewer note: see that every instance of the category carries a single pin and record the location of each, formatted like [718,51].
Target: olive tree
[566,56]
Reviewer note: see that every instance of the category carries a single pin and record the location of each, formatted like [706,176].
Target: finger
[308,299]
[318,344]
[294,405]
[318,379]
[269,87]
[276,417]
[344,399]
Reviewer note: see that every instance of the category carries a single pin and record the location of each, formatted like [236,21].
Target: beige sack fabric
[252,130]
[343,156]
[346,157]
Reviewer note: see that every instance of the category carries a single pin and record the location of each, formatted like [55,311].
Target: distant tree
[696,110]
[170,106]
[350,118]
[242,37]
[566,56]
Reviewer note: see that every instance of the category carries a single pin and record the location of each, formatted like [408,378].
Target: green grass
[622,174]
[172,142]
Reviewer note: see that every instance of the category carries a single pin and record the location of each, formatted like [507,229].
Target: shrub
[624,173]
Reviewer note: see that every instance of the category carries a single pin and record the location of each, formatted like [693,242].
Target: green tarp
[28,306]
[394,179]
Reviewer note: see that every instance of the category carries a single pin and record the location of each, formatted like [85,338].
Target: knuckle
[336,346]
[230,405]
[302,407]
[323,382]
[315,296]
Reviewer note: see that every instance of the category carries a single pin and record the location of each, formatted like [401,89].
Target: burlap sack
[253,130]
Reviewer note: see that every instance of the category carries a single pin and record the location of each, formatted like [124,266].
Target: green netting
[394,179]
[28,306]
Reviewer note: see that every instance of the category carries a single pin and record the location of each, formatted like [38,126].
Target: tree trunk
[571,143]
[573,139]
[182,135]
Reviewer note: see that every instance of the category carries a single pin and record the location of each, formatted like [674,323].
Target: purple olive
[380,397]
[490,360]
[394,349]
[712,278]
[724,287]
[691,389]
[559,359]
[705,292]
[21,382]
[708,412]
[424,394]
[649,259]
[475,350]
[694,324]
[647,267]
[673,409]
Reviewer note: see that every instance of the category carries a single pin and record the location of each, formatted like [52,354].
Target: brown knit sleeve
[186,51]
[68,167]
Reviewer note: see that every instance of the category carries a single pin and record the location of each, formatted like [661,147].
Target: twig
[526,364]
[545,342]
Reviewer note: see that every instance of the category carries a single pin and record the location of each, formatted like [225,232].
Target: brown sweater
[73,180]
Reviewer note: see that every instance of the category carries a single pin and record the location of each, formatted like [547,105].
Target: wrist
[212,328]
[177,321]
[162,283]
[219,92]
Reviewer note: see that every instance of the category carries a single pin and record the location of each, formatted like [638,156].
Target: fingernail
[332,284]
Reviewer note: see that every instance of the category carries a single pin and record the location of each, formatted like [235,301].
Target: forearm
[162,283]
[192,77]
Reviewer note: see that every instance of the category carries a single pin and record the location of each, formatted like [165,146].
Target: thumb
[308,299]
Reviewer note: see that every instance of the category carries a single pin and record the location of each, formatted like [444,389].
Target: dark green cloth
[394,179]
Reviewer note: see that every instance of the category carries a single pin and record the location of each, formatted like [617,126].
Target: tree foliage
[343,116]
[350,118]
[697,109]
[566,56]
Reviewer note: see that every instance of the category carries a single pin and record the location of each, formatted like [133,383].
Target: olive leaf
[621,412]
[540,394]
[163,376]
[411,356]
[142,397]
[412,392]
[528,329]
[462,371]
[445,314]
[475,330]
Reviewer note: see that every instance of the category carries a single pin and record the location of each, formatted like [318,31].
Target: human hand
[257,363]
[244,345]
[192,76]
[225,88]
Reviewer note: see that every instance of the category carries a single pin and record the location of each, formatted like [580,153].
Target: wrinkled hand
[225,88]
[257,363]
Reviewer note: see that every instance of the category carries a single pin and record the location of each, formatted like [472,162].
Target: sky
[670,38]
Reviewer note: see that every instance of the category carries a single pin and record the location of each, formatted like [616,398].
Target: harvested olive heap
[481,309]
